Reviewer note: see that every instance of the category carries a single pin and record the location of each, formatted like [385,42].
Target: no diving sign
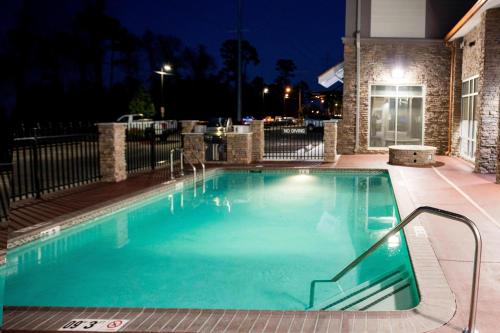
[94,325]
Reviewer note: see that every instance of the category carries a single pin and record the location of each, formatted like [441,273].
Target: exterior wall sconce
[398,74]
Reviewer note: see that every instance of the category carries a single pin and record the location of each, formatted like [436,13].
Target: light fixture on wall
[398,74]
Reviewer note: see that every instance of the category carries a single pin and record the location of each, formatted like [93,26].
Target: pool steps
[368,293]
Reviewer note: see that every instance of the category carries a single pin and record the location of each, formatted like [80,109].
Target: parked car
[288,120]
[268,120]
[314,122]
[138,124]
[247,120]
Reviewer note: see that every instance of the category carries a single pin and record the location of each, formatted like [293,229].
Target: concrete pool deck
[451,186]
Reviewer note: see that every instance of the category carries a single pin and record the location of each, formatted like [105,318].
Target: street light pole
[166,69]
[264,92]
[288,90]
[162,107]
[239,33]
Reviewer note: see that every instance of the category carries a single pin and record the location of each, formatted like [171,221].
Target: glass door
[468,123]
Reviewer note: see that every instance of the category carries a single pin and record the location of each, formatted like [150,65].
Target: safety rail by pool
[202,173]
[172,151]
[446,214]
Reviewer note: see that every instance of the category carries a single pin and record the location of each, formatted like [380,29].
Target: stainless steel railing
[172,151]
[446,214]
[202,173]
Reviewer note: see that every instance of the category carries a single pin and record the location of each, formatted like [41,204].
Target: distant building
[429,73]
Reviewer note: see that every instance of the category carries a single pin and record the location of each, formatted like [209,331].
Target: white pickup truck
[137,122]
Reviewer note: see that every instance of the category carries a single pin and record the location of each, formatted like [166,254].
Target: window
[468,122]
[396,115]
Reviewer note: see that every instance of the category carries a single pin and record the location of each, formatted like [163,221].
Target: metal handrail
[194,177]
[445,214]
[172,151]
[203,172]
[202,166]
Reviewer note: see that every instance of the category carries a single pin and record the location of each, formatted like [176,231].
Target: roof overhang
[470,19]
[332,76]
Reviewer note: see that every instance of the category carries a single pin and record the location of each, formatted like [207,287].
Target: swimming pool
[246,240]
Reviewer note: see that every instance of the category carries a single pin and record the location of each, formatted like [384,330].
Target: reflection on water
[249,238]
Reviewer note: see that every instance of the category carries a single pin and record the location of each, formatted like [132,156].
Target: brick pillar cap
[331,121]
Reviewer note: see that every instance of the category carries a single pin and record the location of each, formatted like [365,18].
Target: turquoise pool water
[249,241]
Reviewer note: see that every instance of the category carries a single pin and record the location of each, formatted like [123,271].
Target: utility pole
[239,33]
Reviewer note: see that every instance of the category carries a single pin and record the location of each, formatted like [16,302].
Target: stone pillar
[239,148]
[498,151]
[194,147]
[112,152]
[257,128]
[330,140]
[486,59]
[187,126]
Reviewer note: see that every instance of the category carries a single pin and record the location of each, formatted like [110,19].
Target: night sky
[309,32]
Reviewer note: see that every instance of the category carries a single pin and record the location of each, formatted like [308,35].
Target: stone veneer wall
[239,148]
[330,140]
[257,128]
[112,161]
[426,62]
[490,95]
[481,56]
[194,147]
[457,99]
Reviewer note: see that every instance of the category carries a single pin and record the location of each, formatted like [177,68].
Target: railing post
[36,166]
[152,146]
[172,164]
[182,161]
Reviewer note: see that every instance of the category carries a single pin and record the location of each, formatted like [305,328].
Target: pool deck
[451,186]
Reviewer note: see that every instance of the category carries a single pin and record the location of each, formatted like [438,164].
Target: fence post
[36,164]
[152,146]
[112,161]
[330,140]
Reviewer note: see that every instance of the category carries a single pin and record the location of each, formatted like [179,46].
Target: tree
[229,55]
[199,63]
[285,69]
[93,30]
[160,49]
[142,103]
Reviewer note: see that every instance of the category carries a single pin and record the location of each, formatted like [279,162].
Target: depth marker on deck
[94,325]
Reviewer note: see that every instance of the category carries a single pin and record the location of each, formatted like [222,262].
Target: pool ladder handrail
[202,172]
[172,151]
[442,213]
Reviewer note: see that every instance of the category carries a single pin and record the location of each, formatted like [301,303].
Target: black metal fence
[297,140]
[5,177]
[149,145]
[52,157]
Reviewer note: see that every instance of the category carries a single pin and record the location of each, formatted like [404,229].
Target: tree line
[91,67]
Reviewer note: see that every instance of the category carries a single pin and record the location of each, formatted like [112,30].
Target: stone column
[187,126]
[239,148]
[257,128]
[112,152]
[330,140]
[194,147]
[498,151]
[487,60]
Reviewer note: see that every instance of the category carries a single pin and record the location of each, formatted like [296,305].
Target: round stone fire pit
[412,155]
